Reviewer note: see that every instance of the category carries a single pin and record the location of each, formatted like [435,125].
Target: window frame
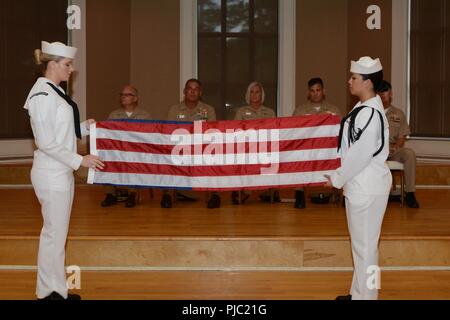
[409,85]
[286,51]
[433,150]
[250,36]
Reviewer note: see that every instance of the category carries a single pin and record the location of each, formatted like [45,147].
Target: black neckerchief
[354,135]
[76,113]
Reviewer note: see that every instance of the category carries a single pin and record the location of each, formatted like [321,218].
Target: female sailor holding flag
[364,174]
[54,119]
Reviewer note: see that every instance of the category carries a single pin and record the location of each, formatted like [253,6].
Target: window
[237,44]
[430,68]
[23,24]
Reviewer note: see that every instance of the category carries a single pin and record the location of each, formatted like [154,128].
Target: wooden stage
[254,251]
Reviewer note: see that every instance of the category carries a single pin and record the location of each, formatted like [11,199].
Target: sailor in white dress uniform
[364,174]
[55,128]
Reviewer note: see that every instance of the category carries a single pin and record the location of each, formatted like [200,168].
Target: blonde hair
[42,59]
[250,87]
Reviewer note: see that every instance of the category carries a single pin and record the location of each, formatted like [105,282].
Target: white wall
[78,40]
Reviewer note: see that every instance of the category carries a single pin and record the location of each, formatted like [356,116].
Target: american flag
[216,156]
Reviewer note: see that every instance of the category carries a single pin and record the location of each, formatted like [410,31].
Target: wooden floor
[20,219]
[232,285]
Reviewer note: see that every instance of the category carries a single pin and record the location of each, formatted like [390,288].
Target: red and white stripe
[254,154]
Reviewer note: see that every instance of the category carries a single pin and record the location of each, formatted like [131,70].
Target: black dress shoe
[321,198]
[131,200]
[245,197]
[267,197]
[184,198]
[121,195]
[276,197]
[395,198]
[343,298]
[109,200]
[56,296]
[214,202]
[299,199]
[411,200]
[166,201]
[235,198]
[73,296]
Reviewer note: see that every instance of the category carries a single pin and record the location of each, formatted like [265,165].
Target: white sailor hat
[366,65]
[58,49]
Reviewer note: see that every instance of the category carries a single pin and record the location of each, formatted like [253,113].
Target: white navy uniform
[366,180]
[52,122]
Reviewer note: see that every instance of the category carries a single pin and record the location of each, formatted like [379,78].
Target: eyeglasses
[127,95]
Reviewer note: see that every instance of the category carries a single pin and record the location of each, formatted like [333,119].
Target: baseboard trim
[12,161]
[29,186]
[232,269]
[437,187]
[16,186]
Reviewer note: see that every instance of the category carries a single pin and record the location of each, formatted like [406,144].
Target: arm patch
[39,94]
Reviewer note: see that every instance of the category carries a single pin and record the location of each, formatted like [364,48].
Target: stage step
[19,174]
[226,254]
[405,285]
[253,236]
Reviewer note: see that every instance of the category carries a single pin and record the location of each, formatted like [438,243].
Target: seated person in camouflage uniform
[129,110]
[316,104]
[255,109]
[398,132]
[191,109]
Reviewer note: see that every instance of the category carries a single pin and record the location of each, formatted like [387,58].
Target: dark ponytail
[376,78]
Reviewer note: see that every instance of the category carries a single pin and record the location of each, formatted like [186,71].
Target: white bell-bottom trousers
[365,215]
[54,190]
